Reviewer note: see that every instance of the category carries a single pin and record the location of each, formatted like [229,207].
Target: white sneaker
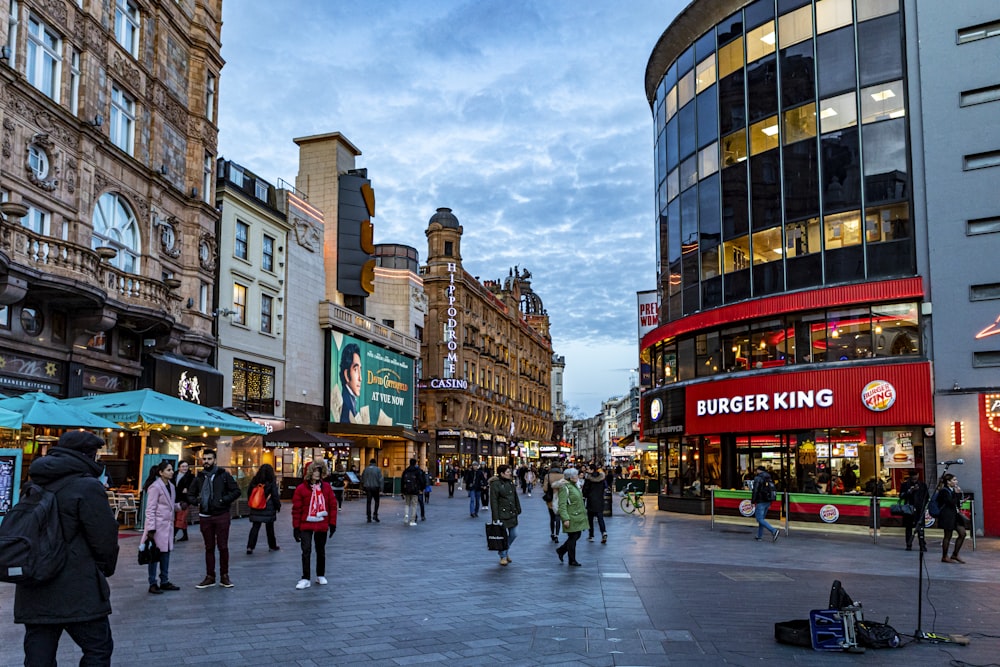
[303,584]
[406,519]
[322,581]
[413,523]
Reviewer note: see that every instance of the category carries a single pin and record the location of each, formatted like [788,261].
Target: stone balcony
[332,316]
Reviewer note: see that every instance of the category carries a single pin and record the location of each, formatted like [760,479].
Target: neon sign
[450,337]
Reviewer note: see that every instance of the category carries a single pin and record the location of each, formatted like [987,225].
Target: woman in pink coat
[159,524]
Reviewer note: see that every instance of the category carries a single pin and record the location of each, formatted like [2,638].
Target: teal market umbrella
[10,419]
[40,409]
[148,410]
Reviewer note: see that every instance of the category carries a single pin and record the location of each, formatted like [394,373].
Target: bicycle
[632,500]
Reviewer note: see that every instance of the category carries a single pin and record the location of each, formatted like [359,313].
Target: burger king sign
[878,395]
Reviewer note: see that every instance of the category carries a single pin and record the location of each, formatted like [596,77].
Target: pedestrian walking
[593,493]
[505,506]
[521,470]
[412,487]
[450,477]
[371,482]
[762,496]
[314,517]
[914,492]
[572,513]
[529,479]
[554,475]
[78,599]
[183,479]
[161,507]
[214,491]
[268,514]
[475,482]
[951,519]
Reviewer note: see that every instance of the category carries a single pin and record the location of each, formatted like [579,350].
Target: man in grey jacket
[371,482]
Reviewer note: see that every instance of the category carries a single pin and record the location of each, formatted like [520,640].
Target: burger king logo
[878,395]
[829,513]
[746,508]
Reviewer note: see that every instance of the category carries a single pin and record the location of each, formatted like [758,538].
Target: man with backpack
[412,485]
[76,598]
[764,493]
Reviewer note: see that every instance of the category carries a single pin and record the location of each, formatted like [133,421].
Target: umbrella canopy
[40,409]
[10,419]
[296,435]
[148,410]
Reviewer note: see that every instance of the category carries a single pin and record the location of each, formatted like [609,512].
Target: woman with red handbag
[266,514]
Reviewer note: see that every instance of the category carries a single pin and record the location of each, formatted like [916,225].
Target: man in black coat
[214,491]
[78,599]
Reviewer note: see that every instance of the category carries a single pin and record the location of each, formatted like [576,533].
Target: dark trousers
[372,495]
[569,546]
[910,524]
[41,641]
[308,536]
[339,495]
[255,531]
[600,521]
[215,531]
[554,522]
[420,499]
[451,489]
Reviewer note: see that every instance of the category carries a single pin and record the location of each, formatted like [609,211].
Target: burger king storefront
[852,431]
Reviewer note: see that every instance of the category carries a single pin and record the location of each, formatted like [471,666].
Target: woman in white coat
[161,505]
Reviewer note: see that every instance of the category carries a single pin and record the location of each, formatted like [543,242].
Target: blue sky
[527,119]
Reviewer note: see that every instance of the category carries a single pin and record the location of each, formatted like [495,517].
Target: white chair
[126,506]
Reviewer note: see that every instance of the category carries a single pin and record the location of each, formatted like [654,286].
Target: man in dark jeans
[78,599]
[371,482]
[214,492]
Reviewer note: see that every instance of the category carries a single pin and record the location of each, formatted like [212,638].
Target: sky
[527,118]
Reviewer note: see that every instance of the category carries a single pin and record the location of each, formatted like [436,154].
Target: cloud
[528,119]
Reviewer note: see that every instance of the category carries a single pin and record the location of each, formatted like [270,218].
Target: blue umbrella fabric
[145,409]
[40,409]
[10,419]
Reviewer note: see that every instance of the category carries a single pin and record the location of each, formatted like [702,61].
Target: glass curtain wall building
[793,247]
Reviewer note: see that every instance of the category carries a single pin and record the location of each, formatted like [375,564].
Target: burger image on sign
[878,395]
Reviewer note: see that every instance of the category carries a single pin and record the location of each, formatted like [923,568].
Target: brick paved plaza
[665,590]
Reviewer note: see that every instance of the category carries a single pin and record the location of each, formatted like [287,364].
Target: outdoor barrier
[850,510]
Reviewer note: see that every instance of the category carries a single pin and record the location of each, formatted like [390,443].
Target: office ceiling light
[770,130]
[898,113]
[827,112]
[768,38]
[883,95]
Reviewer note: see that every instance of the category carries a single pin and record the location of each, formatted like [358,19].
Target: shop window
[253,387]
[735,344]
[807,337]
[705,74]
[730,58]
[882,102]
[849,334]
[760,42]
[896,329]
[802,237]
[799,123]
[795,26]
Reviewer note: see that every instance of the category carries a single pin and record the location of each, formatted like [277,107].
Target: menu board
[898,449]
[10,479]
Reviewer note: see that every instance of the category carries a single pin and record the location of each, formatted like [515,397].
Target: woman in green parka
[504,505]
[572,512]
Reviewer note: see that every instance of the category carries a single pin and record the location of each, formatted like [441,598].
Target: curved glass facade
[782,160]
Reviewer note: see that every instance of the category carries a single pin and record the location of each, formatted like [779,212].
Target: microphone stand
[920,635]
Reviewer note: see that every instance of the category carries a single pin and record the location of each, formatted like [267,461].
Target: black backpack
[411,482]
[764,490]
[32,548]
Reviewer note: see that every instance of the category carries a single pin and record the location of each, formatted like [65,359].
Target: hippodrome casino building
[827,241]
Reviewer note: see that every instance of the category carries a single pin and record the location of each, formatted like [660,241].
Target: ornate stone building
[107,242]
[487,357]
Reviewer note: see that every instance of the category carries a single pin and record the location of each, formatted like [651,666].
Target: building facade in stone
[485,392]
[108,114]
[827,226]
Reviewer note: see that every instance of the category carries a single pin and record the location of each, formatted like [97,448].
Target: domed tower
[444,239]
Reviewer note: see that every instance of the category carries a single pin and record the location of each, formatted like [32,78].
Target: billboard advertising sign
[369,384]
[649,312]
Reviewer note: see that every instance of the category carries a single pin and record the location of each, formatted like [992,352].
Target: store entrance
[774,452]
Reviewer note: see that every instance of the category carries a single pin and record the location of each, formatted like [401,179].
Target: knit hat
[84,442]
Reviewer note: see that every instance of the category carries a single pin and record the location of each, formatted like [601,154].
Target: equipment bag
[257,499]
[32,548]
[872,634]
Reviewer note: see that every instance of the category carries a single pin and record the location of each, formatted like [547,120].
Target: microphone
[951,463]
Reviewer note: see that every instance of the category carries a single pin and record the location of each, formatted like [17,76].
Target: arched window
[115,226]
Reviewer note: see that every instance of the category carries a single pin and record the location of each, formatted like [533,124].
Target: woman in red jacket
[314,515]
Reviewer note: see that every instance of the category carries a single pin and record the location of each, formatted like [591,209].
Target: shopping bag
[148,552]
[496,537]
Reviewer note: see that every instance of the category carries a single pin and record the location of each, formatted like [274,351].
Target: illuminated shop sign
[451,325]
[449,383]
[782,400]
